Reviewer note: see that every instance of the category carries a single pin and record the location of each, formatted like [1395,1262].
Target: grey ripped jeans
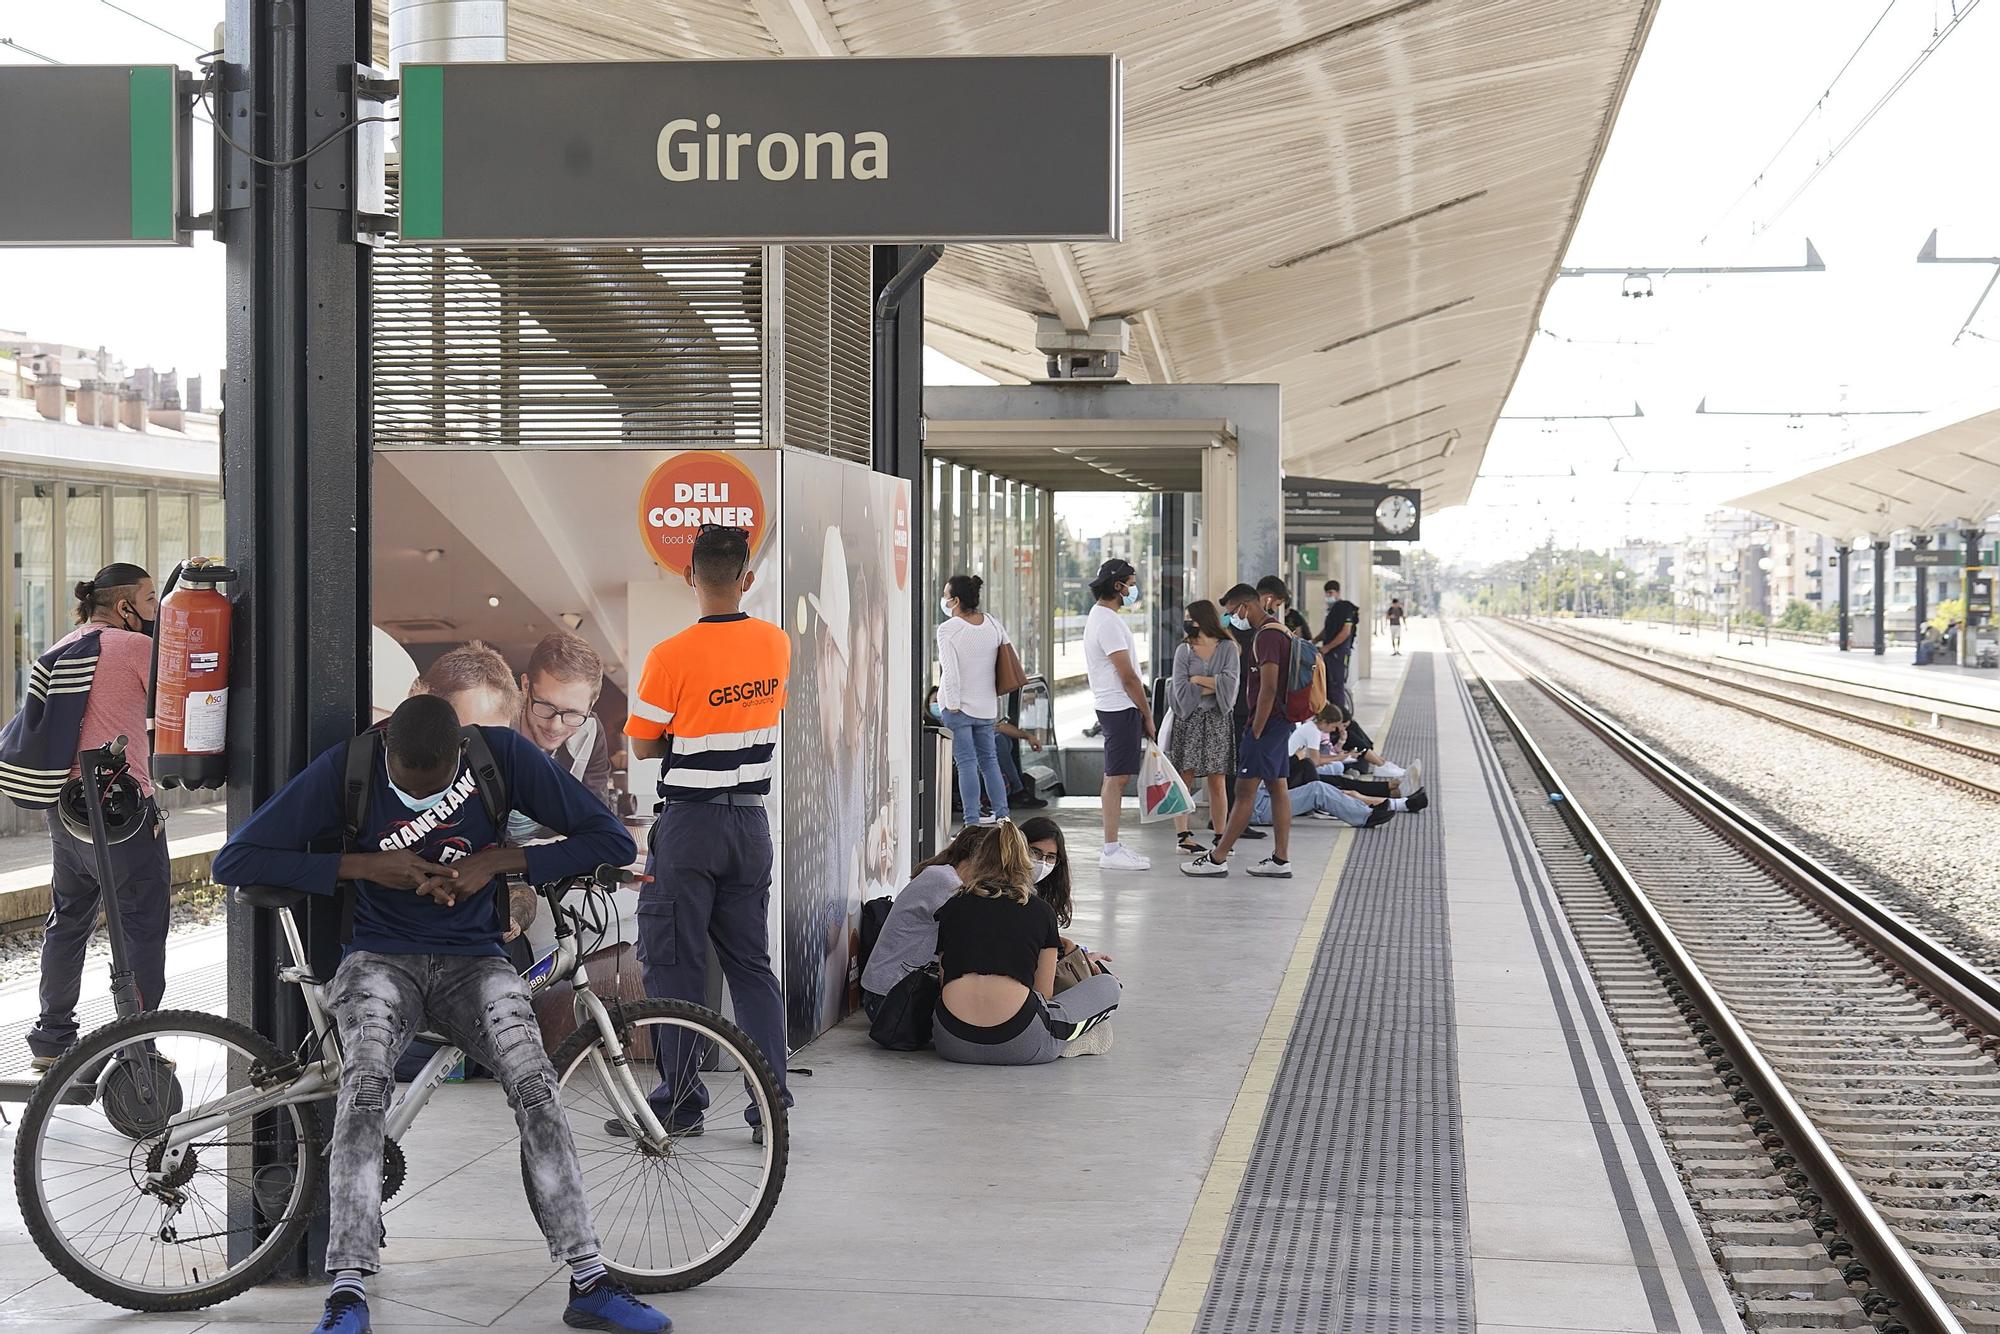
[380,1002]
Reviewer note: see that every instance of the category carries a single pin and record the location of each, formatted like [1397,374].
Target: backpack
[39,744]
[357,795]
[873,914]
[1305,675]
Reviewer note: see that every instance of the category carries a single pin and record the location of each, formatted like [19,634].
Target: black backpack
[873,914]
[360,765]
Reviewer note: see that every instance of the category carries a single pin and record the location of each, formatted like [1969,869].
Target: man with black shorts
[1123,712]
[1263,751]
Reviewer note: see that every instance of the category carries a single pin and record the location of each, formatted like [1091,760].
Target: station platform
[1378,1097]
[1969,692]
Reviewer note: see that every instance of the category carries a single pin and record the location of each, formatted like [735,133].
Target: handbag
[1007,674]
[1071,969]
[903,1023]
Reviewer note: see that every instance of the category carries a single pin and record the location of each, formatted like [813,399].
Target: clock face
[1396,514]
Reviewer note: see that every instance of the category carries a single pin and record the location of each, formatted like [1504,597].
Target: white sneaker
[1094,1043]
[1204,867]
[1321,815]
[1122,858]
[1272,869]
[1413,777]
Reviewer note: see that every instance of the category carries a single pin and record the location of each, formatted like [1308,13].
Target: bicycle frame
[321,1078]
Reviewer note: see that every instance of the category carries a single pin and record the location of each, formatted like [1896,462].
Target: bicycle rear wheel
[670,1219]
[151,1229]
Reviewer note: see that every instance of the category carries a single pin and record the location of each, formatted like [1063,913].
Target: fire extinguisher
[191,677]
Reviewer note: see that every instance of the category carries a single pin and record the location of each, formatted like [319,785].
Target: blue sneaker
[612,1306]
[344,1315]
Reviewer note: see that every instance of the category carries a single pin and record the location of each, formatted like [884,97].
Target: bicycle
[212,1149]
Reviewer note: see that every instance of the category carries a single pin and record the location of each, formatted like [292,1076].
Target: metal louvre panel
[826,334]
[568,347]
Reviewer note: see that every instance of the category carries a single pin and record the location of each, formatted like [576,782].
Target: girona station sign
[953,149]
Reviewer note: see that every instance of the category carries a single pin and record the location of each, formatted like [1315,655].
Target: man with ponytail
[108,661]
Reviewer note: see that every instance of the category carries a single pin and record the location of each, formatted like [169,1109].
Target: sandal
[1190,845]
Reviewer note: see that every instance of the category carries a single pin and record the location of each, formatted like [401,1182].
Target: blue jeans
[972,751]
[711,869]
[1311,798]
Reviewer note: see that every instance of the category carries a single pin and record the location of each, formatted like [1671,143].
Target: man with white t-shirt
[1110,659]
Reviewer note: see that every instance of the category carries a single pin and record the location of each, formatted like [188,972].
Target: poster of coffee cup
[846,741]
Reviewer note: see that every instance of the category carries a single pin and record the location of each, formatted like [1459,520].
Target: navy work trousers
[711,869]
[141,867]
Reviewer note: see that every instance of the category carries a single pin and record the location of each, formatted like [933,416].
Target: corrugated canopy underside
[1363,201]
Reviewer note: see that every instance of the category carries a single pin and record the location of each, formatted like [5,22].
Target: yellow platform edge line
[1193,1267]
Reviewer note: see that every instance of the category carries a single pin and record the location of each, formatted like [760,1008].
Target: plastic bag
[1162,794]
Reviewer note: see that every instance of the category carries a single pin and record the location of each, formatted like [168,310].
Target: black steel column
[295,447]
[1922,542]
[1881,597]
[899,450]
[1846,625]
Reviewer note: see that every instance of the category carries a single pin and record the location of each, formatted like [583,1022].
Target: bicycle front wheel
[137,1214]
[671,1218]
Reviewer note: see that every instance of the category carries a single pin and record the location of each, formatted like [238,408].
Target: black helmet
[124,809]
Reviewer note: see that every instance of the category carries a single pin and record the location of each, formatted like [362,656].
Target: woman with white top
[968,649]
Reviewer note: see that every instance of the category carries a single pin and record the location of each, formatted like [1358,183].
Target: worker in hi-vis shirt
[707,707]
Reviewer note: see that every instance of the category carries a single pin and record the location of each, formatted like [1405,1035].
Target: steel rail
[1611,650]
[1892,1269]
[1612,658]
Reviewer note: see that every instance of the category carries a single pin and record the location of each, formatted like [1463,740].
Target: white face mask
[1132,595]
[1239,622]
[418,805]
[1042,871]
[944,605]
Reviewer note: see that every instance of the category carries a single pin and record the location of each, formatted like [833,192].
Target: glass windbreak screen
[34,581]
[1091,528]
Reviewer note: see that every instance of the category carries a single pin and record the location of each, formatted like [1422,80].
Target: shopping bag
[1162,794]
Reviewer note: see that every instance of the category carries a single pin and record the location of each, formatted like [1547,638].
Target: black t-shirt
[1243,638]
[999,937]
[1395,613]
[1340,613]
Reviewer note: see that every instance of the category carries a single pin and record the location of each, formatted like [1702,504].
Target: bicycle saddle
[265,896]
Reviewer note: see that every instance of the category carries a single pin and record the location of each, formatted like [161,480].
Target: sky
[1698,173]
[1720,87]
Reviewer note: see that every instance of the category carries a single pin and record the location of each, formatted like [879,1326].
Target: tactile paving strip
[1352,1216]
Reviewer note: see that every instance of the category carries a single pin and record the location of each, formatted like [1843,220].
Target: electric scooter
[137,1088]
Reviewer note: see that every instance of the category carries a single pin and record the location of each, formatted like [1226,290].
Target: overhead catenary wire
[141,18]
[13,45]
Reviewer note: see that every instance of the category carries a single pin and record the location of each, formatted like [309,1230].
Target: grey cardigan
[1225,664]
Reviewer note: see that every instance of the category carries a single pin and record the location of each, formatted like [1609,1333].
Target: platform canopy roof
[1944,469]
[1364,201]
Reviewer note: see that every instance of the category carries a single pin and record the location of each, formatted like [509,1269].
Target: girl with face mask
[1202,743]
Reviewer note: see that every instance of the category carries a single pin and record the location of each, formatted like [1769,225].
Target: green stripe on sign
[152,102]
[423,151]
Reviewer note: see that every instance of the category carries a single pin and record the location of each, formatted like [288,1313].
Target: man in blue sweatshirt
[425,952]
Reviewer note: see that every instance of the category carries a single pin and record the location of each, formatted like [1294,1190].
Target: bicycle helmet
[124,809]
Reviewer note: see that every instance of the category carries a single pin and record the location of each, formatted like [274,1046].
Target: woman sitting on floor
[998,943]
[1049,854]
[909,934]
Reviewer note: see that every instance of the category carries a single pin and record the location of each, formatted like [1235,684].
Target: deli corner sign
[945,149]
[92,155]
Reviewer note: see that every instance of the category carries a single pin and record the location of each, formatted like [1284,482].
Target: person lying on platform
[998,945]
[425,953]
[1324,801]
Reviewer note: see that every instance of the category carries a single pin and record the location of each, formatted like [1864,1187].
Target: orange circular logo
[691,489]
[901,535]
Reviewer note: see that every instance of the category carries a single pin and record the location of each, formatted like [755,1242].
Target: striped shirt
[714,692]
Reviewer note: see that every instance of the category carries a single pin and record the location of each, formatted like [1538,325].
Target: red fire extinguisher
[191,677]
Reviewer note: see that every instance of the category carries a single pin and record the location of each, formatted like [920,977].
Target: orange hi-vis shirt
[716,691]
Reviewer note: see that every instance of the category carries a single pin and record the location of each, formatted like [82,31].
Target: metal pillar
[1881,596]
[898,401]
[1846,625]
[1971,537]
[295,445]
[1922,542]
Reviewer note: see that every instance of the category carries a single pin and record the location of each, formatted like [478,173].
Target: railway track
[1823,1069]
[1851,729]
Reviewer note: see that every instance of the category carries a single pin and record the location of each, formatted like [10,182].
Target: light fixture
[493,599]
[571,619]
[432,555]
[1450,446]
